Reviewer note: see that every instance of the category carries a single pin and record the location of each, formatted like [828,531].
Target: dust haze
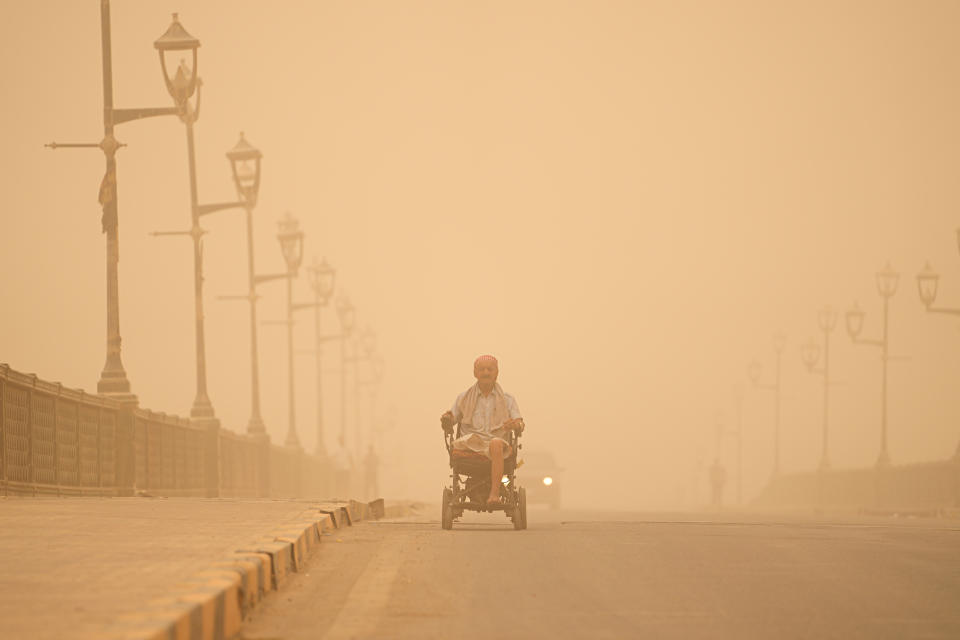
[622,201]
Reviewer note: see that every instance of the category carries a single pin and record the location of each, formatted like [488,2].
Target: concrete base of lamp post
[256,427]
[883,460]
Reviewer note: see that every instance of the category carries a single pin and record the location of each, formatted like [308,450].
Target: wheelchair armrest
[447,422]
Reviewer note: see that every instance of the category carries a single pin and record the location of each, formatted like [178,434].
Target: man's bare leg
[496,469]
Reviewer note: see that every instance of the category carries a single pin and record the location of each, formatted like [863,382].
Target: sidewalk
[127,567]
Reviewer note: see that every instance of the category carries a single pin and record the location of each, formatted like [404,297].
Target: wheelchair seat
[471,463]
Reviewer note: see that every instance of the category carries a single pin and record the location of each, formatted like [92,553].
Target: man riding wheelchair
[483,449]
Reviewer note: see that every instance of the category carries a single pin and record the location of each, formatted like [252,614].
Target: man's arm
[516,420]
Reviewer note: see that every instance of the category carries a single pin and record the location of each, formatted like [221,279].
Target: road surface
[626,575]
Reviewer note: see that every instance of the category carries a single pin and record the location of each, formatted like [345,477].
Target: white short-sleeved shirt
[482,417]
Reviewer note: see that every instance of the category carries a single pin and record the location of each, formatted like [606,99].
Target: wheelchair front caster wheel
[446,514]
[520,511]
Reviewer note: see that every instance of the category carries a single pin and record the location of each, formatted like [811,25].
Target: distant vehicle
[540,475]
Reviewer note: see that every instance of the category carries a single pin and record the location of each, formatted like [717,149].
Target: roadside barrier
[65,442]
[919,486]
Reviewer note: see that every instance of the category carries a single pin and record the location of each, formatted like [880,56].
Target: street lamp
[364,349]
[927,281]
[291,245]
[887,281]
[722,431]
[738,394]
[753,372]
[375,362]
[245,169]
[810,353]
[113,379]
[927,284]
[322,279]
[348,318]
[183,84]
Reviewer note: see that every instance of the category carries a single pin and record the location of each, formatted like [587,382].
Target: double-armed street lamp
[291,245]
[887,281]
[810,352]
[184,84]
[113,379]
[722,431]
[322,279]
[347,315]
[927,283]
[245,168]
[365,350]
[753,372]
[376,368]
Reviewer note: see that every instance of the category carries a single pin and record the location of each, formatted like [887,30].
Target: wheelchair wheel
[446,514]
[520,511]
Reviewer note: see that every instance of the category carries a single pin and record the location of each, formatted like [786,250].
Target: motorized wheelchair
[470,482]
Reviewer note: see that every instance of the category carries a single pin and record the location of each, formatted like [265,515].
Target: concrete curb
[212,603]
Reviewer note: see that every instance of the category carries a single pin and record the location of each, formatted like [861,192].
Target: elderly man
[485,414]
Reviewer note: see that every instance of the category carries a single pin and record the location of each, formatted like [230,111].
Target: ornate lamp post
[721,431]
[810,352]
[185,84]
[245,169]
[753,371]
[321,281]
[322,278]
[365,348]
[113,379]
[927,282]
[887,281]
[738,434]
[373,382]
[348,318]
[291,245]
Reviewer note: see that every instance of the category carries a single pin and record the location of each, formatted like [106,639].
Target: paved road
[582,575]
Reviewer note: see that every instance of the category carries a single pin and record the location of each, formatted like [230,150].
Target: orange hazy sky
[622,201]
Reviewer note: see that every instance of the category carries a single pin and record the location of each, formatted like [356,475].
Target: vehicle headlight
[548,481]
[505,480]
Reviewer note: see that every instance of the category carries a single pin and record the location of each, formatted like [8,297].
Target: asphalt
[625,575]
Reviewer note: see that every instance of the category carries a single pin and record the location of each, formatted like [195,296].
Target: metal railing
[63,442]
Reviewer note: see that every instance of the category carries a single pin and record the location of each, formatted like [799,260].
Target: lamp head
[753,372]
[347,314]
[927,281]
[245,166]
[827,319]
[810,352]
[854,321]
[291,242]
[887,281]
[180,75]
[322,277]
[779,340]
